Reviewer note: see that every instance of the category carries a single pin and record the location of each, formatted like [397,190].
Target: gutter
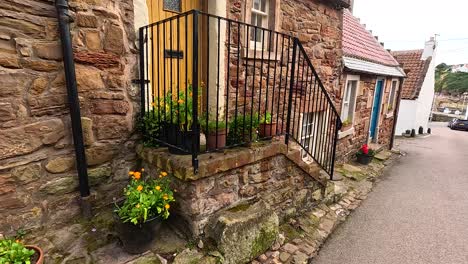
[73,104]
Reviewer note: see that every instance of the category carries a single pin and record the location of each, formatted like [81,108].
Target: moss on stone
[290,232]
[263,241]
[239,208]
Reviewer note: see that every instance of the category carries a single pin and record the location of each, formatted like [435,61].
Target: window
[259,18]
[392,95]
[349,100]
[307,134]
[172,5]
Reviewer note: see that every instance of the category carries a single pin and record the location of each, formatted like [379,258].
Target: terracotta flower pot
[267,130]
[216,140]
[37,258]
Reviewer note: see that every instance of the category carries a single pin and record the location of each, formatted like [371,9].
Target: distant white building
[460,68]
[418,88]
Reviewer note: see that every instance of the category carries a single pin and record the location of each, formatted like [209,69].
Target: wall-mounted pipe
[73,102]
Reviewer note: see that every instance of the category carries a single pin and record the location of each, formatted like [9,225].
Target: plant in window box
[347,124]
[139,216]
[14,251]
[390,108]
[215,132]
[267,128]
[243,129]
[365,155]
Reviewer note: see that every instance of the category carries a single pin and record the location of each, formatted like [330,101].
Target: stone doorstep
[214,163]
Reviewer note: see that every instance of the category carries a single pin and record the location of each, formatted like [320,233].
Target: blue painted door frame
[376,108]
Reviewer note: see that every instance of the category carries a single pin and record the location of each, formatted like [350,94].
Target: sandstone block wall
[38,179]
[349,145]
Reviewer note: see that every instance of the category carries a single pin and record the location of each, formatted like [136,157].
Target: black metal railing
[234,83]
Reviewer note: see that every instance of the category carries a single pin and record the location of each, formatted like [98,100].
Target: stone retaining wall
[38,179]
[233,179]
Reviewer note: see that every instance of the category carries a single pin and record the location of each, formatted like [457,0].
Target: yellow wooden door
[171,44]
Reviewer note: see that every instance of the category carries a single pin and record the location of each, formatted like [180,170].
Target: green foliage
[266,119]
[145,198]
[346,122]
[371,152]
[14,252]
[212,125]
[178,108]
[451,82]
[241,127]
[150,126]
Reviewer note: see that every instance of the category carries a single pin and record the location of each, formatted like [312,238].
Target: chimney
[351,6]
[429,48]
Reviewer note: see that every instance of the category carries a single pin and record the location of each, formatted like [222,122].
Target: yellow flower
[131,172]
[180,101]
[137,175]
[165,197]
[139,188]
[164,174]
[142,169]
[158,188]
[137,206]
[167,206]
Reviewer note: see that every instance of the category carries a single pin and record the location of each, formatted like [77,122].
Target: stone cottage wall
[349,145]
[318,26]
[38,179]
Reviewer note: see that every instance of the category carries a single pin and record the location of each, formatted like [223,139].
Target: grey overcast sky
[406,24]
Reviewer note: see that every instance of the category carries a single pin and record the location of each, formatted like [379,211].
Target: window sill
[389,115]
[348,132]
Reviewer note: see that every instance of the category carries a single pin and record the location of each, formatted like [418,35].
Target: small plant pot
[38,257]
[216,140]
[137,239]
[267,130]
[364,159]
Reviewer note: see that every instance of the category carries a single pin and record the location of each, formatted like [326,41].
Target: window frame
[272,23]
[265,24]
[307,137]
[350,78]
[173,11]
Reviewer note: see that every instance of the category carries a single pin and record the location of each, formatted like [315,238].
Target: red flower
[365,149]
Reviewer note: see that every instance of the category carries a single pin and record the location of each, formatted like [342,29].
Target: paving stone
[307,249]
[284,256]
[351,168]
[290,248]
[300,258]
[383,155]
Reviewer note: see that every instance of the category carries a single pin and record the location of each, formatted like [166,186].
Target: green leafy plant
[365,150]
[150,126]
[347,122]
[145,198]
[14,252]
[266,119]
[241,127]
[212,126]
[178,107]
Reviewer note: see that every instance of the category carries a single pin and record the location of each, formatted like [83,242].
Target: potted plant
[267,128]
[347,124]
[243,129]
[140,214]
[13,251]
[365,155]
[215,133]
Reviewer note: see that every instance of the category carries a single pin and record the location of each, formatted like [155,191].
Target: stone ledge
[214,163]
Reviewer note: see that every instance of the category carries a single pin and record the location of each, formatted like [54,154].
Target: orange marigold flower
[139,188]
[167,206]
[153,104]
[180,101]
[164,174]
[158,188]
[165,197]
[137,175]
[131,172]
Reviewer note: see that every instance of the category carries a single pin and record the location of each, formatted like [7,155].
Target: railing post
[141,45]
[335,142]
[195,126]
[291,88]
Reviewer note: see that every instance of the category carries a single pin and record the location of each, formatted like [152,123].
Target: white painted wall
[415,113]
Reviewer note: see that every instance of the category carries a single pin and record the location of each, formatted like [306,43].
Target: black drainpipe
[73,103]
[395,113]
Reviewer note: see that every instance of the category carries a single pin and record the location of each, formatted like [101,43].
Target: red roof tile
[359,43]
[416,70]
